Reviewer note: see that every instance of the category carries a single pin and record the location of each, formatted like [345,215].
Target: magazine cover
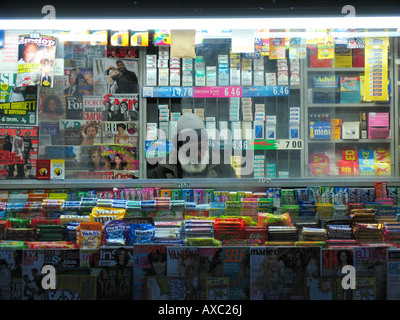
[319,289]
[113,283]
[84,81]
[74,287]
[122,52]
[93,108]
[210,265]
[89,258]
[19,152]
[10,274]
[393,274]
[264,272]
[371,262]
[71,154]
[51,107]
[120,132]
[296,265]
[80,132]
[17,104]
[148,261]
[81,54]
[74,108]
[121,107]
[32,264]
[333,260]
[184,262]
[114,75]
[121,158]
[236,266]
[365,289]
[165,288]
[116,257]
[6,267]
[36,54]
[217,288]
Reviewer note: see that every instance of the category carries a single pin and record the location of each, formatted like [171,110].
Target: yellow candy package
[89,235]
[102,215]
[270,219]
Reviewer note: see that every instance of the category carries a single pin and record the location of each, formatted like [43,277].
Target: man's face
[121,66]
[30,53]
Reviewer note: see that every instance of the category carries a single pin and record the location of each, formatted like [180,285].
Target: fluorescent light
[201,23]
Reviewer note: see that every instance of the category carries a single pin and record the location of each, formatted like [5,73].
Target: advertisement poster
[36,57]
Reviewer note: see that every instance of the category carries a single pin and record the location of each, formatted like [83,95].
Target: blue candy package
[141,233]
[115,233]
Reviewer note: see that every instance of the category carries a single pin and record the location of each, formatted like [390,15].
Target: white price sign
[290,144]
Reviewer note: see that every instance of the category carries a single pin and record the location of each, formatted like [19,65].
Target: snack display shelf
[253,184]
[348,105]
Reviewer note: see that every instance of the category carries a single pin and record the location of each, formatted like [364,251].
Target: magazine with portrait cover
[149,260]
[120,157]
[236,266]
[115,75]
[80,132]
[120,132]
[36,55]
[121,107]
[17,104]
[51,107]
[296,265]
[19,152]
[184,262]
[370,261]
[113,283]
[116,257]
[264,272]
[210,265]
[333,261]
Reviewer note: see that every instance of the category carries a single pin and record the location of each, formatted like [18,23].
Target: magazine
[113,283]
[51,107]
[165,288]
[393,274]
[371,262]
[74,287]
[93,108]
[17,104]
[115,75]
[36,54]
[319,289]
[149,260]
[264,272]
[217,288]
[184,262]
[19,152]
[80,132]
[296,265]
[81,54]
[210,265]
[121,107]
[120,132]
[116,257]
[236,266]
[333,260]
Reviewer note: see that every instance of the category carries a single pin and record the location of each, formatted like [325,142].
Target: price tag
[264,180]
[290,144]
[217,92]
[167,92]
[183,185]
[266,91]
